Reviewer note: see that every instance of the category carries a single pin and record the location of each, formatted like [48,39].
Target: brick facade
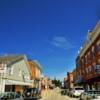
[88,60]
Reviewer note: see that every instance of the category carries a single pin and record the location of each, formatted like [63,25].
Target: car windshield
[79,89]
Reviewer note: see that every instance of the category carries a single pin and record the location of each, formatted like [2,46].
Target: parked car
[31,93]
[90,95]
[63,91]
[76,92]
[10,96]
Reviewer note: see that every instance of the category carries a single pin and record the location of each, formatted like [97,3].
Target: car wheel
[80,99]
[73,96]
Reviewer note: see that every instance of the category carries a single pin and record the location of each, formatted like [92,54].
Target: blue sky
[50,31]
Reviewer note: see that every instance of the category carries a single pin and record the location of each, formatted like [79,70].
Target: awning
[13,82]
[10,81]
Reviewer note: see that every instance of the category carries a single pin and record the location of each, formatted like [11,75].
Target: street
[55,95]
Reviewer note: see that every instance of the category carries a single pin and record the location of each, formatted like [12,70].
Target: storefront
[93,83]
[13,85]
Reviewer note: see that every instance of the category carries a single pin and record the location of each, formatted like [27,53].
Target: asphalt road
[55,95]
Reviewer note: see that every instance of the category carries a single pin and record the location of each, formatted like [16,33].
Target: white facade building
[14,73]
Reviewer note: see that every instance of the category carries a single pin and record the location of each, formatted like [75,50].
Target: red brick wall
[82,67]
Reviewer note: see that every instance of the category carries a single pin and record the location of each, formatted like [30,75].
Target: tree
[57,82]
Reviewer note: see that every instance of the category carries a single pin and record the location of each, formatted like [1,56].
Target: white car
[76,92]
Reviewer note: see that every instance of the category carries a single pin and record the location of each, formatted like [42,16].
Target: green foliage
[57,82]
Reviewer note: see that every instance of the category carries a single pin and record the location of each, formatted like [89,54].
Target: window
[97,69]
[94,66]
[89,57]
[86,59]
[98,48]
[99,61]
[11,71]
[90,69]
[93,52]
[82,61]
[87,70]
[20,72]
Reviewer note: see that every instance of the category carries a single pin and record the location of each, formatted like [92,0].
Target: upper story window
[86,59]
[98,47]
[82,61]
[96,68]
[20,72]
[77,64]
[87,71]
[11,71]
[98,61]
[90,69]
[89,56]
[93,52]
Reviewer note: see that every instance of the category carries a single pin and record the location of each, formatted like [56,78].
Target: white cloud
[61,42]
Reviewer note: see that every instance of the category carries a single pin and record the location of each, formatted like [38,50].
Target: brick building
[88,61]
[68,80]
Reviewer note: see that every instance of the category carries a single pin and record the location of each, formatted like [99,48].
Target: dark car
[31,94]
[63,91]
[10,96]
